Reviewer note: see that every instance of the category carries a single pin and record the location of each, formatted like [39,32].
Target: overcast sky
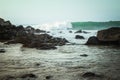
[44,11]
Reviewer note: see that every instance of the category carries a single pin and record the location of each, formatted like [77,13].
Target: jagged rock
[79,37]
[39,31]
[4,23]
[26,36]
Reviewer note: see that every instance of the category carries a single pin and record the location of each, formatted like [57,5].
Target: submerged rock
[84,55]
[2,51]
[70,31]
[90,74]
[79,37]
[29,75]
[79,31]
[49,77]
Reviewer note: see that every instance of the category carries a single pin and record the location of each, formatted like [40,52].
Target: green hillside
[95,25]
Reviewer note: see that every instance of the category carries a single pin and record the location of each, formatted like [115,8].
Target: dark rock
[4,23]
[2,51]
[39,31]
[93,41]
[70,31]
[90,74]
[29,75]
[49,77]
[12,34]
[85,32]
[79,37]
[37,64]
[79,31]
[111,34]
[43,46]
[30,29]
[84,55]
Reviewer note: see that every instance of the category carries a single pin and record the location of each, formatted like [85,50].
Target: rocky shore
[11,34]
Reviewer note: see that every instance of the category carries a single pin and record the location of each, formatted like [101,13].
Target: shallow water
[64,63]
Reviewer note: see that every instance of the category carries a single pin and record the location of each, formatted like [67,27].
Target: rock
[93,41]
[85,32]
[30,29]
[89,74]
[39,31]
[12,34]
[79,31]
[2,51]
[29,75]
[79,37]
[111,34]
[42,46]
[70,31]
[49,77]
[4,23]
[84,55]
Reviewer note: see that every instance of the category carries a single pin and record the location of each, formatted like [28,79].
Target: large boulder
[111,34]
[93,41]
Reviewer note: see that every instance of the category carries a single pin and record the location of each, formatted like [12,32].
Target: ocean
[68,62]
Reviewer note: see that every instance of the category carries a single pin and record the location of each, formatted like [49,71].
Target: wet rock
[85,32]
[29,75]
[49,77]
[79,37]
[30,29]
[111,34]
[79,31]
[18,34]
[2,51]
[39,31]
[93,41]
[84,55]
[70,31]
[42,46]
[37,64]
[90,74]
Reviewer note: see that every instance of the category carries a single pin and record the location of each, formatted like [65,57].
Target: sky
[46,11]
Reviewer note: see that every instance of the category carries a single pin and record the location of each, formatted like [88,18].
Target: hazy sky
[44,11]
